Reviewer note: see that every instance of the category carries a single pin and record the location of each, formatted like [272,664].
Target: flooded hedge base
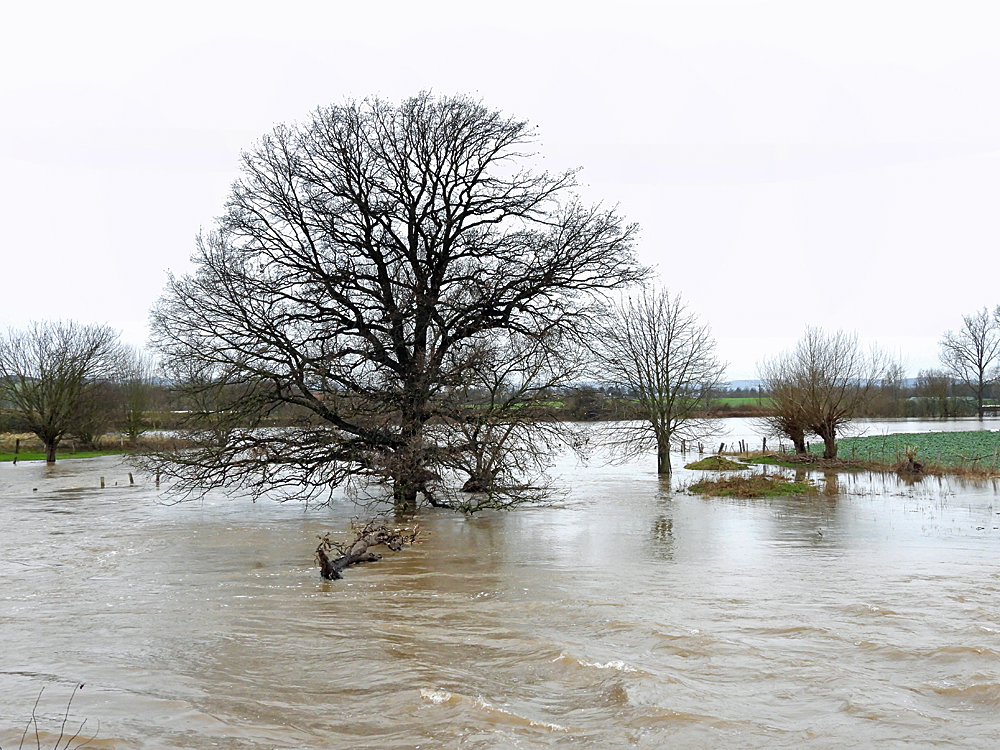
[628,614]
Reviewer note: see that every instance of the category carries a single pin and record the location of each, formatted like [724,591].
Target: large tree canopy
[362,263]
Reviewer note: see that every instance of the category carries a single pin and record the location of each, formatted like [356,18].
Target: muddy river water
[627,614]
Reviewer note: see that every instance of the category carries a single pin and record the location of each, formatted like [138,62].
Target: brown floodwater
[627,614]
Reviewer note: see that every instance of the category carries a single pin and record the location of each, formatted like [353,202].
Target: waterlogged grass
[36,456]
[715,463]
[753,486]
[979,448]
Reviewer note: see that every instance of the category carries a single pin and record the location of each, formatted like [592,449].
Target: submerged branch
[334,557]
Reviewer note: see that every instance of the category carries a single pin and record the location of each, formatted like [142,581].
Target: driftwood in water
[334,556]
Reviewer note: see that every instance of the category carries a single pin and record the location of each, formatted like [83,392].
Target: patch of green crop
[742,401]
[972,448]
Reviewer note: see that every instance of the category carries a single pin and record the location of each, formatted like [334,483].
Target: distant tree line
[67,381]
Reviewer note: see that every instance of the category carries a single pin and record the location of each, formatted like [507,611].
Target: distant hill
[745,384]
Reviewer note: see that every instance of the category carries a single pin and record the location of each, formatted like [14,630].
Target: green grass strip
[36,456]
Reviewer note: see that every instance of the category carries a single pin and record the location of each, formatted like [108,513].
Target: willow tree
[822,385]
[655,348]
[362,260]
[787,417]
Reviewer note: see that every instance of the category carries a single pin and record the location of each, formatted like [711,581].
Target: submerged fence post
[17,447]
[130,480]
[102,483]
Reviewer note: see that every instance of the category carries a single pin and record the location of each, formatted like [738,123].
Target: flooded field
[628,614]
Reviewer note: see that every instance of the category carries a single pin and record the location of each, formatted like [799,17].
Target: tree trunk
[481,481]
[50,452]
[663,457]
[330,569]
[829,443]
[798,438]
[404,497]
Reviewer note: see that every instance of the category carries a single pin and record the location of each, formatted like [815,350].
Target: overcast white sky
[791,163]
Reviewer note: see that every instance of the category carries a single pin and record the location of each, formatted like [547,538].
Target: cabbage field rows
[977,448]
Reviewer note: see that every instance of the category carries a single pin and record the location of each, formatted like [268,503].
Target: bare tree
[51,373]
[136,378]
[788,416]
[362,260]
[96,412]
[936,387]
[888,397]
[653,346]
[508,428]
[972,353]
[822,385]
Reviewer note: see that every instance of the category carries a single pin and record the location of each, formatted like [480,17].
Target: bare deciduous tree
[822,385]
[96,412]
[656,348]
[788,416]
[936,387]
[971,354]
[362,260]
[136,377]
[51,372]
[504,426]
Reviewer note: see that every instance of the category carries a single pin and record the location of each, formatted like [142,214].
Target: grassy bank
[40,455]
[30,448]
[753,486]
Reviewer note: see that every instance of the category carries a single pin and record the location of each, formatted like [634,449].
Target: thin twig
[62,728]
